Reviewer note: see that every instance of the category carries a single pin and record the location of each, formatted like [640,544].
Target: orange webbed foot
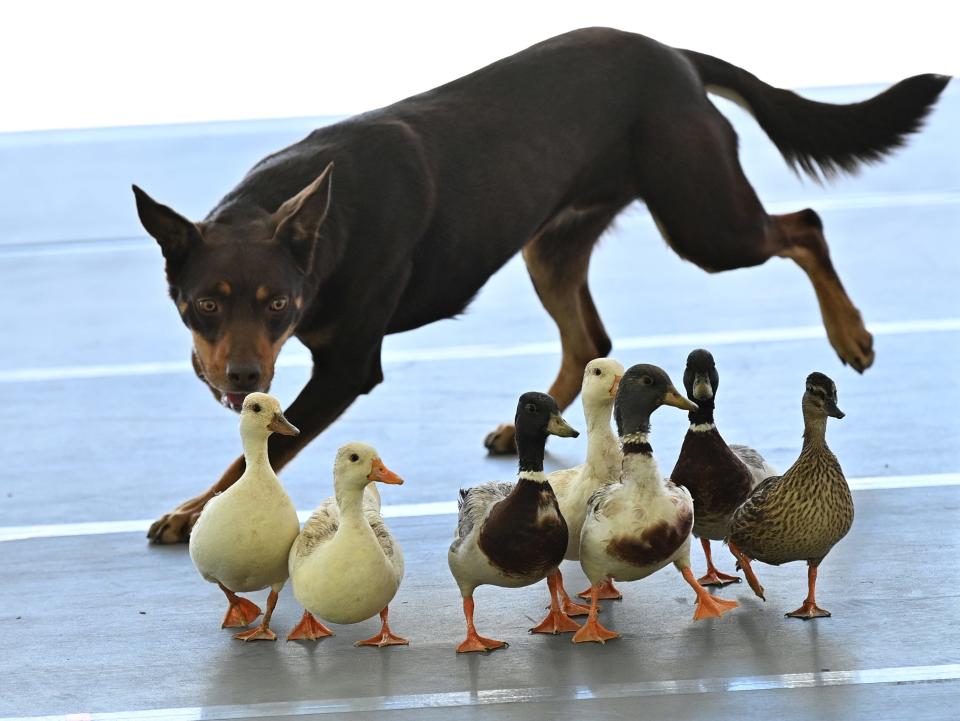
[715,578]
[556,622]
[712,607]
[309,629]
[384,638]
[592,630]
[606,592]
[808,611]
[474,643]
[241,612]
[260,633]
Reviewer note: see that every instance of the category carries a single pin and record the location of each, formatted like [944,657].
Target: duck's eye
[255,408]
[354,458]
[278,304]
[646,380]
[530,408]
[207,305]
[597,371]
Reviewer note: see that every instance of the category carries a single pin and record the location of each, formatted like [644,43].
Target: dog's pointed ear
[299,220]
[175,234]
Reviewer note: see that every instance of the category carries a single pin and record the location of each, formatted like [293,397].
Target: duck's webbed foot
[241,611]
[386,637]
[309,629]
[606,592]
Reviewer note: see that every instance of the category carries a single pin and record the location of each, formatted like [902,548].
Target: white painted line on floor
[536,694]
[481,351]
[414,510]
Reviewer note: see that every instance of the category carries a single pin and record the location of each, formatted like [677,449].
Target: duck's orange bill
[379,472]
[616,384]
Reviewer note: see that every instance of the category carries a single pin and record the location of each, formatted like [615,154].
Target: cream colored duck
[639,525]
[243,535]
[574,486]
[346,566]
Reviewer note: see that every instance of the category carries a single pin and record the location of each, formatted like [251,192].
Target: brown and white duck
[718,476]
[642,523]
[512,534]
[802,514]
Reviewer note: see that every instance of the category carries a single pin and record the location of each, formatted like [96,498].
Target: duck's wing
[752,511]
[389,545]
[598,503]
[371,497]
[474,505]
[319,528]
[758,467]
[561,481]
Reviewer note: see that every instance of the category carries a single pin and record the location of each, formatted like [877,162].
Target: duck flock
[616,513]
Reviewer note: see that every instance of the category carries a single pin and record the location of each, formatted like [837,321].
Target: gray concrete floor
[103,623]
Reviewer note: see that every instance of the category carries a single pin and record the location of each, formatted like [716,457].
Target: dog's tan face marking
[298,302]
[213,358]
[263,292]
[182,306]
[224,287]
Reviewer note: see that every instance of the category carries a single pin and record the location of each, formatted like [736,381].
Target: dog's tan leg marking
[558,259]
[801,239]
[174,527]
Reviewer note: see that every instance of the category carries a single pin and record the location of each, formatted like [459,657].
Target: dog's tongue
[234,400]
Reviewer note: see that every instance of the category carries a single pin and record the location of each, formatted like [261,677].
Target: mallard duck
[512,534]
[243,535]
[802,514]
[637,526]
[345,566]
[574,486]
[718,476]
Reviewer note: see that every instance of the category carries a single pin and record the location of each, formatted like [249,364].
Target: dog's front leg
[330,391]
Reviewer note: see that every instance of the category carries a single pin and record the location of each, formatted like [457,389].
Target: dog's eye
[278,303]
[207,305]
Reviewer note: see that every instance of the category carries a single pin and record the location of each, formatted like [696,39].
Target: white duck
[243,535]
[346,566]
[574,486]
[639,525]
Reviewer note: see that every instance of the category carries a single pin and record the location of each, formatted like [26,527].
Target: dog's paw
[174,527]
[501,441]
[850,339]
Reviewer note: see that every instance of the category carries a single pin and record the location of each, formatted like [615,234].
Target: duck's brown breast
[715,477]
[655,544]
[524,534]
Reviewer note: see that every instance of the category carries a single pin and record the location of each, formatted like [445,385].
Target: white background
[107,63]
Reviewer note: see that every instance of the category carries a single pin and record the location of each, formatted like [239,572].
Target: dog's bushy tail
[823,139]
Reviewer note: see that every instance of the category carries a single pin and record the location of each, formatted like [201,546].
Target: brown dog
[537,152]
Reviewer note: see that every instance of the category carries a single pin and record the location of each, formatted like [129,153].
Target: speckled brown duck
[642,523]
[512,534]
[718,476]
[802,514]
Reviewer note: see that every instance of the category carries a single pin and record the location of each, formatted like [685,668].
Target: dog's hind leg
[558,259]
[691,179]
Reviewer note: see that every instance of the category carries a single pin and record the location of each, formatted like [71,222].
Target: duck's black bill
[833,411]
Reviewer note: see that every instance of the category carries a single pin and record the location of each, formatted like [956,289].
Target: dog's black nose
[244,376]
